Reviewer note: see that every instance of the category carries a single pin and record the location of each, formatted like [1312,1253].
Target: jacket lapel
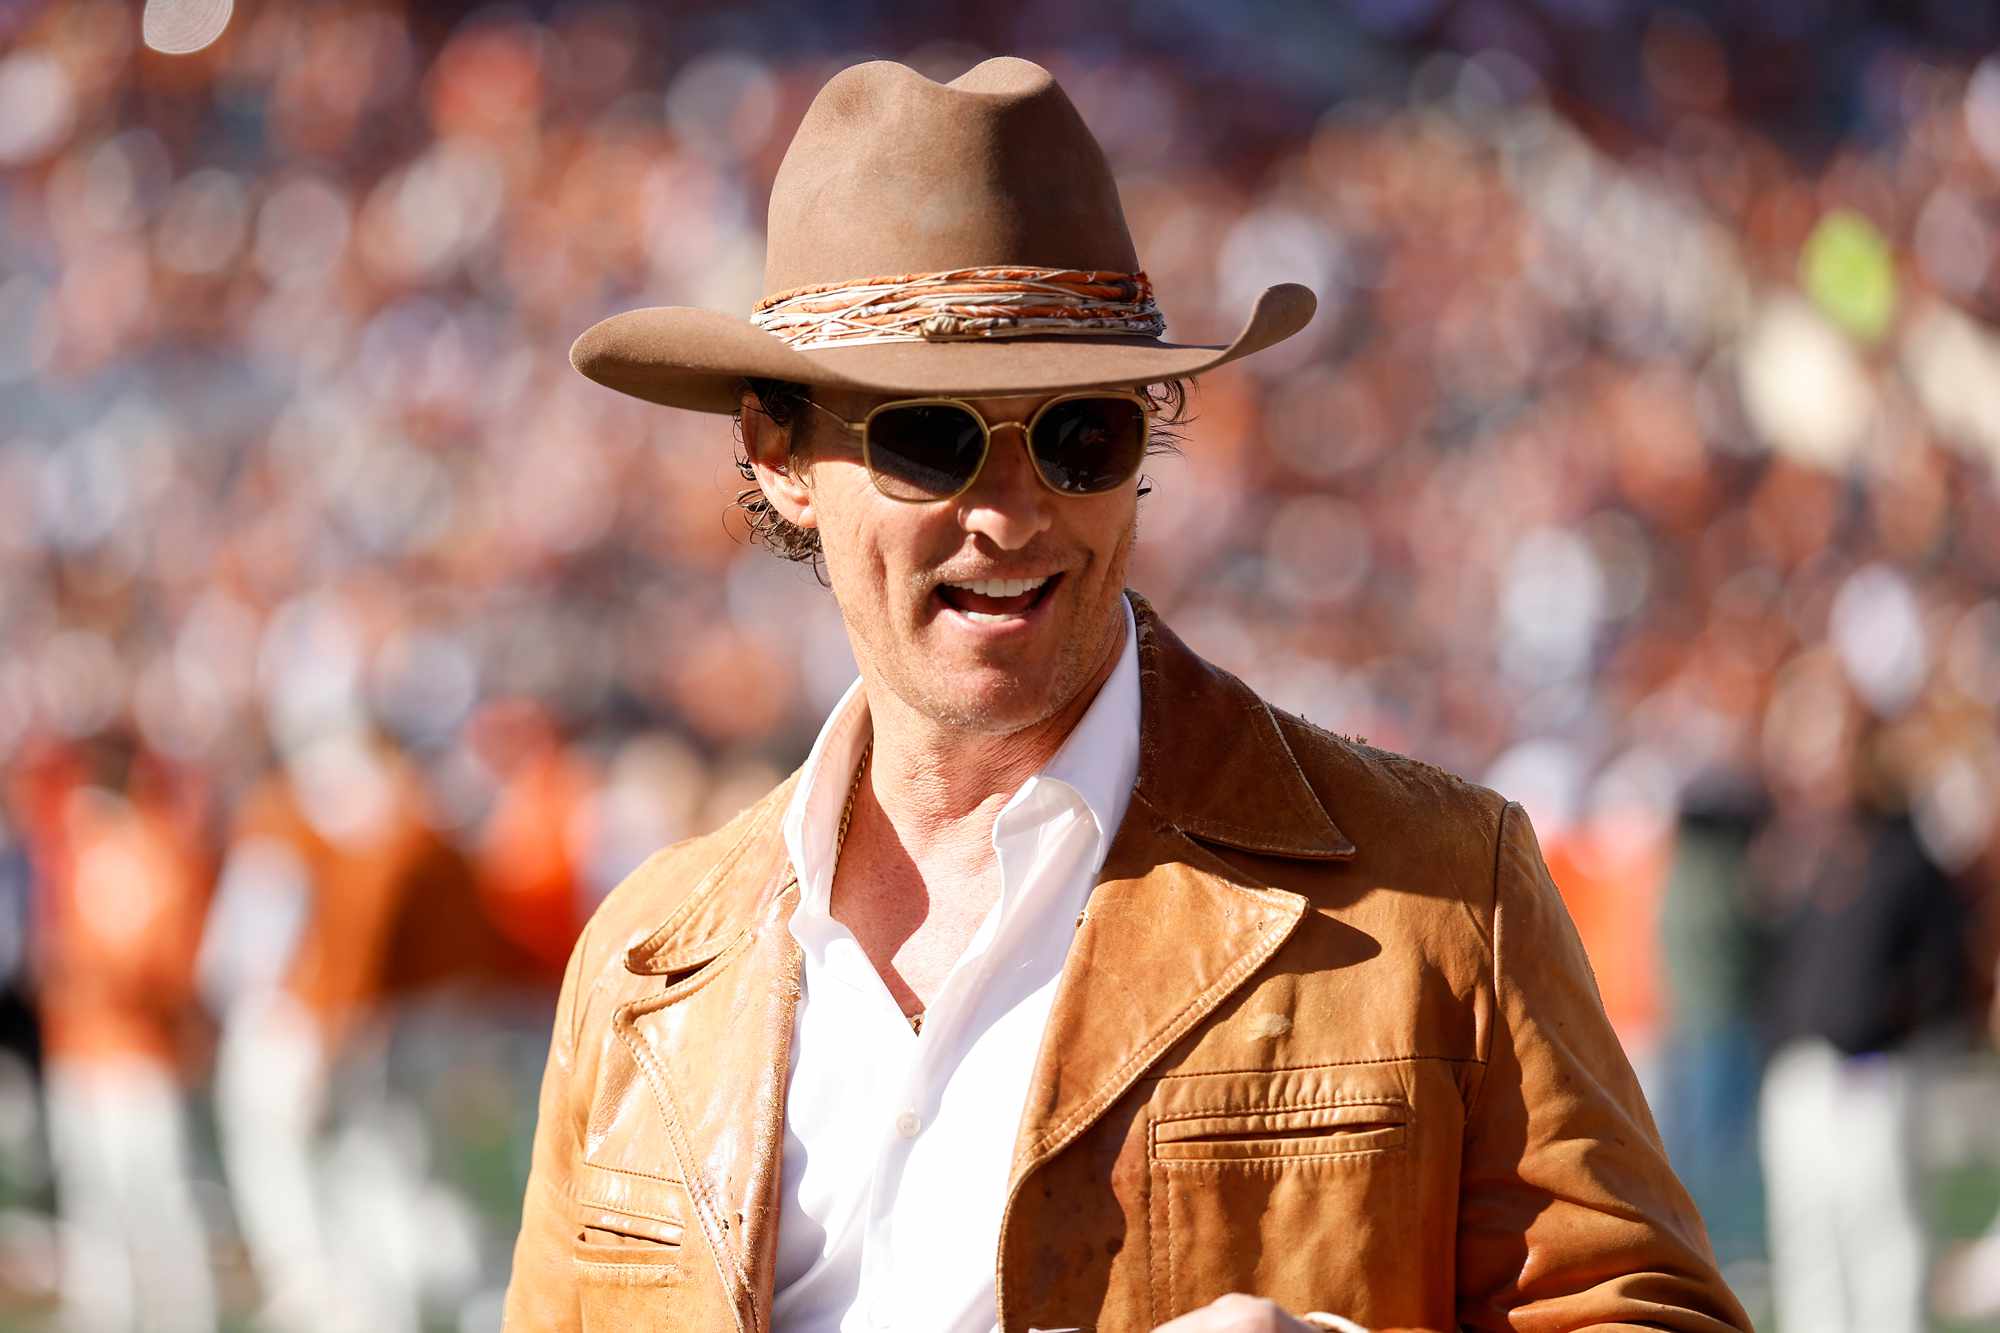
[1168,934]
[715,1048]
[1172,928]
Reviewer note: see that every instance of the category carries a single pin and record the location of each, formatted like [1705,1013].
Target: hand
[1236,1313]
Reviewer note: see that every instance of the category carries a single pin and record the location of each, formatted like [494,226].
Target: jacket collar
[735,893]
[1247,791]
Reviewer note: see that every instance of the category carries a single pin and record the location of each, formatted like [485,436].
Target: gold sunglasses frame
[859,429]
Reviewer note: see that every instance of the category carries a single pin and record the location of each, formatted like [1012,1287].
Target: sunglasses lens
[1087,445]
[923,451]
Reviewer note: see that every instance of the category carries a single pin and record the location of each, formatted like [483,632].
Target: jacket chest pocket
[626,1241]
[1302,1194]
[1281,1134]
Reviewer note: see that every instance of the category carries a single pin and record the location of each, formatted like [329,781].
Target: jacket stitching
[724,1255]
[1118,1081]
[1269,1165]
[1277,1110]
[1394,1138]
[1318,805]
[629,1171]
[1147,1052]
[623,1265]
[1327,1064]
[1256,840]
[697,1188]
[706,889]
[1143,1055]
[1240,695]
[622,1210]
[1493,976]
[703,889]
[1482,925]
[609,1267]
[1154,1244]
[1163,1299]
[695,980]
[577,1198]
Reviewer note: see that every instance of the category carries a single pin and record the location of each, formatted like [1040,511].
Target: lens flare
[182,27]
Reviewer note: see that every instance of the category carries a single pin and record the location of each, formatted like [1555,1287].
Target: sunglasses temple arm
[855,428]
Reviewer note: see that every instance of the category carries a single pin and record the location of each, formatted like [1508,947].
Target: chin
[996,702]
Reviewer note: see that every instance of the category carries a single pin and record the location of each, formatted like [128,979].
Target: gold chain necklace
[847,811]
[840,840]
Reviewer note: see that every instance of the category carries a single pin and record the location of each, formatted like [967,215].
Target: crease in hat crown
[894,178]
[891,172]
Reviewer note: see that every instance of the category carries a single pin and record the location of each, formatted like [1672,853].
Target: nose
[1007,503]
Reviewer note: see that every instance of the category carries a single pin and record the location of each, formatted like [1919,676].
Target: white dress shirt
[897,1145]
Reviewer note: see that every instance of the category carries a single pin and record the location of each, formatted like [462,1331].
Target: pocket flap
[627,1204]
[631,1226]
[1296,1131]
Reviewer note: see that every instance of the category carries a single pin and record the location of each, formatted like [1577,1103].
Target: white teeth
[1001,587]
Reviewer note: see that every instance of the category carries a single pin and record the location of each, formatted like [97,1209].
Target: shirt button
[908,1123]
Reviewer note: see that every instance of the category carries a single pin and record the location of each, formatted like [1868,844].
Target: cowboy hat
[925,237]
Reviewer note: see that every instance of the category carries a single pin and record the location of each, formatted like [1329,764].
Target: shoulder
[1417,828]
[1371,789]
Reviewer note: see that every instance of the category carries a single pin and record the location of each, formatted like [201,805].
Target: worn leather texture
[1357,1066]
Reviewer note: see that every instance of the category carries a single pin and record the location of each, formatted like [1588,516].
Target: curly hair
[783,403]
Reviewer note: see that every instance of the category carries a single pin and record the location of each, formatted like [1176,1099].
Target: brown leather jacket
[1357,1067]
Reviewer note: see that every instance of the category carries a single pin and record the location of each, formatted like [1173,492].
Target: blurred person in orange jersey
[122,891]
[533,847]
[339,901]
[1611,869]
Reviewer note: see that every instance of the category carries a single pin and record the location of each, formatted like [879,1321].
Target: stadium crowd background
[1641,463]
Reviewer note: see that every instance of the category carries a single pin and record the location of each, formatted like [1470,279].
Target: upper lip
[984,575]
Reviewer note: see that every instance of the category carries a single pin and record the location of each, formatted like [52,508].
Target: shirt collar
[1099,761]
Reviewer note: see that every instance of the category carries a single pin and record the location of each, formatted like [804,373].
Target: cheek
[1109,532]
[870,553]
[841,513]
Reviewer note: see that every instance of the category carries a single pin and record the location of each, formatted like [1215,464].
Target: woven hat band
[961,304]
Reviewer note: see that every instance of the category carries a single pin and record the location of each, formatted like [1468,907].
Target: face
[905,575]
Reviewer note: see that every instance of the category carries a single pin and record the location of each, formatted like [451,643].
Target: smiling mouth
[994,600]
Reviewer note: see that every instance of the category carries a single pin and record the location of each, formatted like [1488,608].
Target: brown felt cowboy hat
[925,237]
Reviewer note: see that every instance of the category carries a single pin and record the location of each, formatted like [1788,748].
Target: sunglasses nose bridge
[993,430]
[1005,480]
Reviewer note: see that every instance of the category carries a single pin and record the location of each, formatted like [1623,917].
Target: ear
[768,446]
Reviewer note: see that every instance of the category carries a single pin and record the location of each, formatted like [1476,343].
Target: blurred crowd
[1641,463]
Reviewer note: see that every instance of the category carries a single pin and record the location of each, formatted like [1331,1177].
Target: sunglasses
[922,449]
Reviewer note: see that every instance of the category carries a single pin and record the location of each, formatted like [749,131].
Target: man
[112,833]
[339,903]
[1067,985]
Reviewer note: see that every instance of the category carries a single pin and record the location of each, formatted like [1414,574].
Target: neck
[940,785]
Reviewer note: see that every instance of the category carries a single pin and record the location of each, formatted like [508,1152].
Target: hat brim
[685,357]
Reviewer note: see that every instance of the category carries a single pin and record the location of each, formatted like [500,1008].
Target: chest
[911,935]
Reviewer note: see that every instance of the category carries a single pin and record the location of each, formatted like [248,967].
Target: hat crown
[892,173]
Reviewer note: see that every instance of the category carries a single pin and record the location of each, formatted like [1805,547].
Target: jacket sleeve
[1570,1217]
[541,1294]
